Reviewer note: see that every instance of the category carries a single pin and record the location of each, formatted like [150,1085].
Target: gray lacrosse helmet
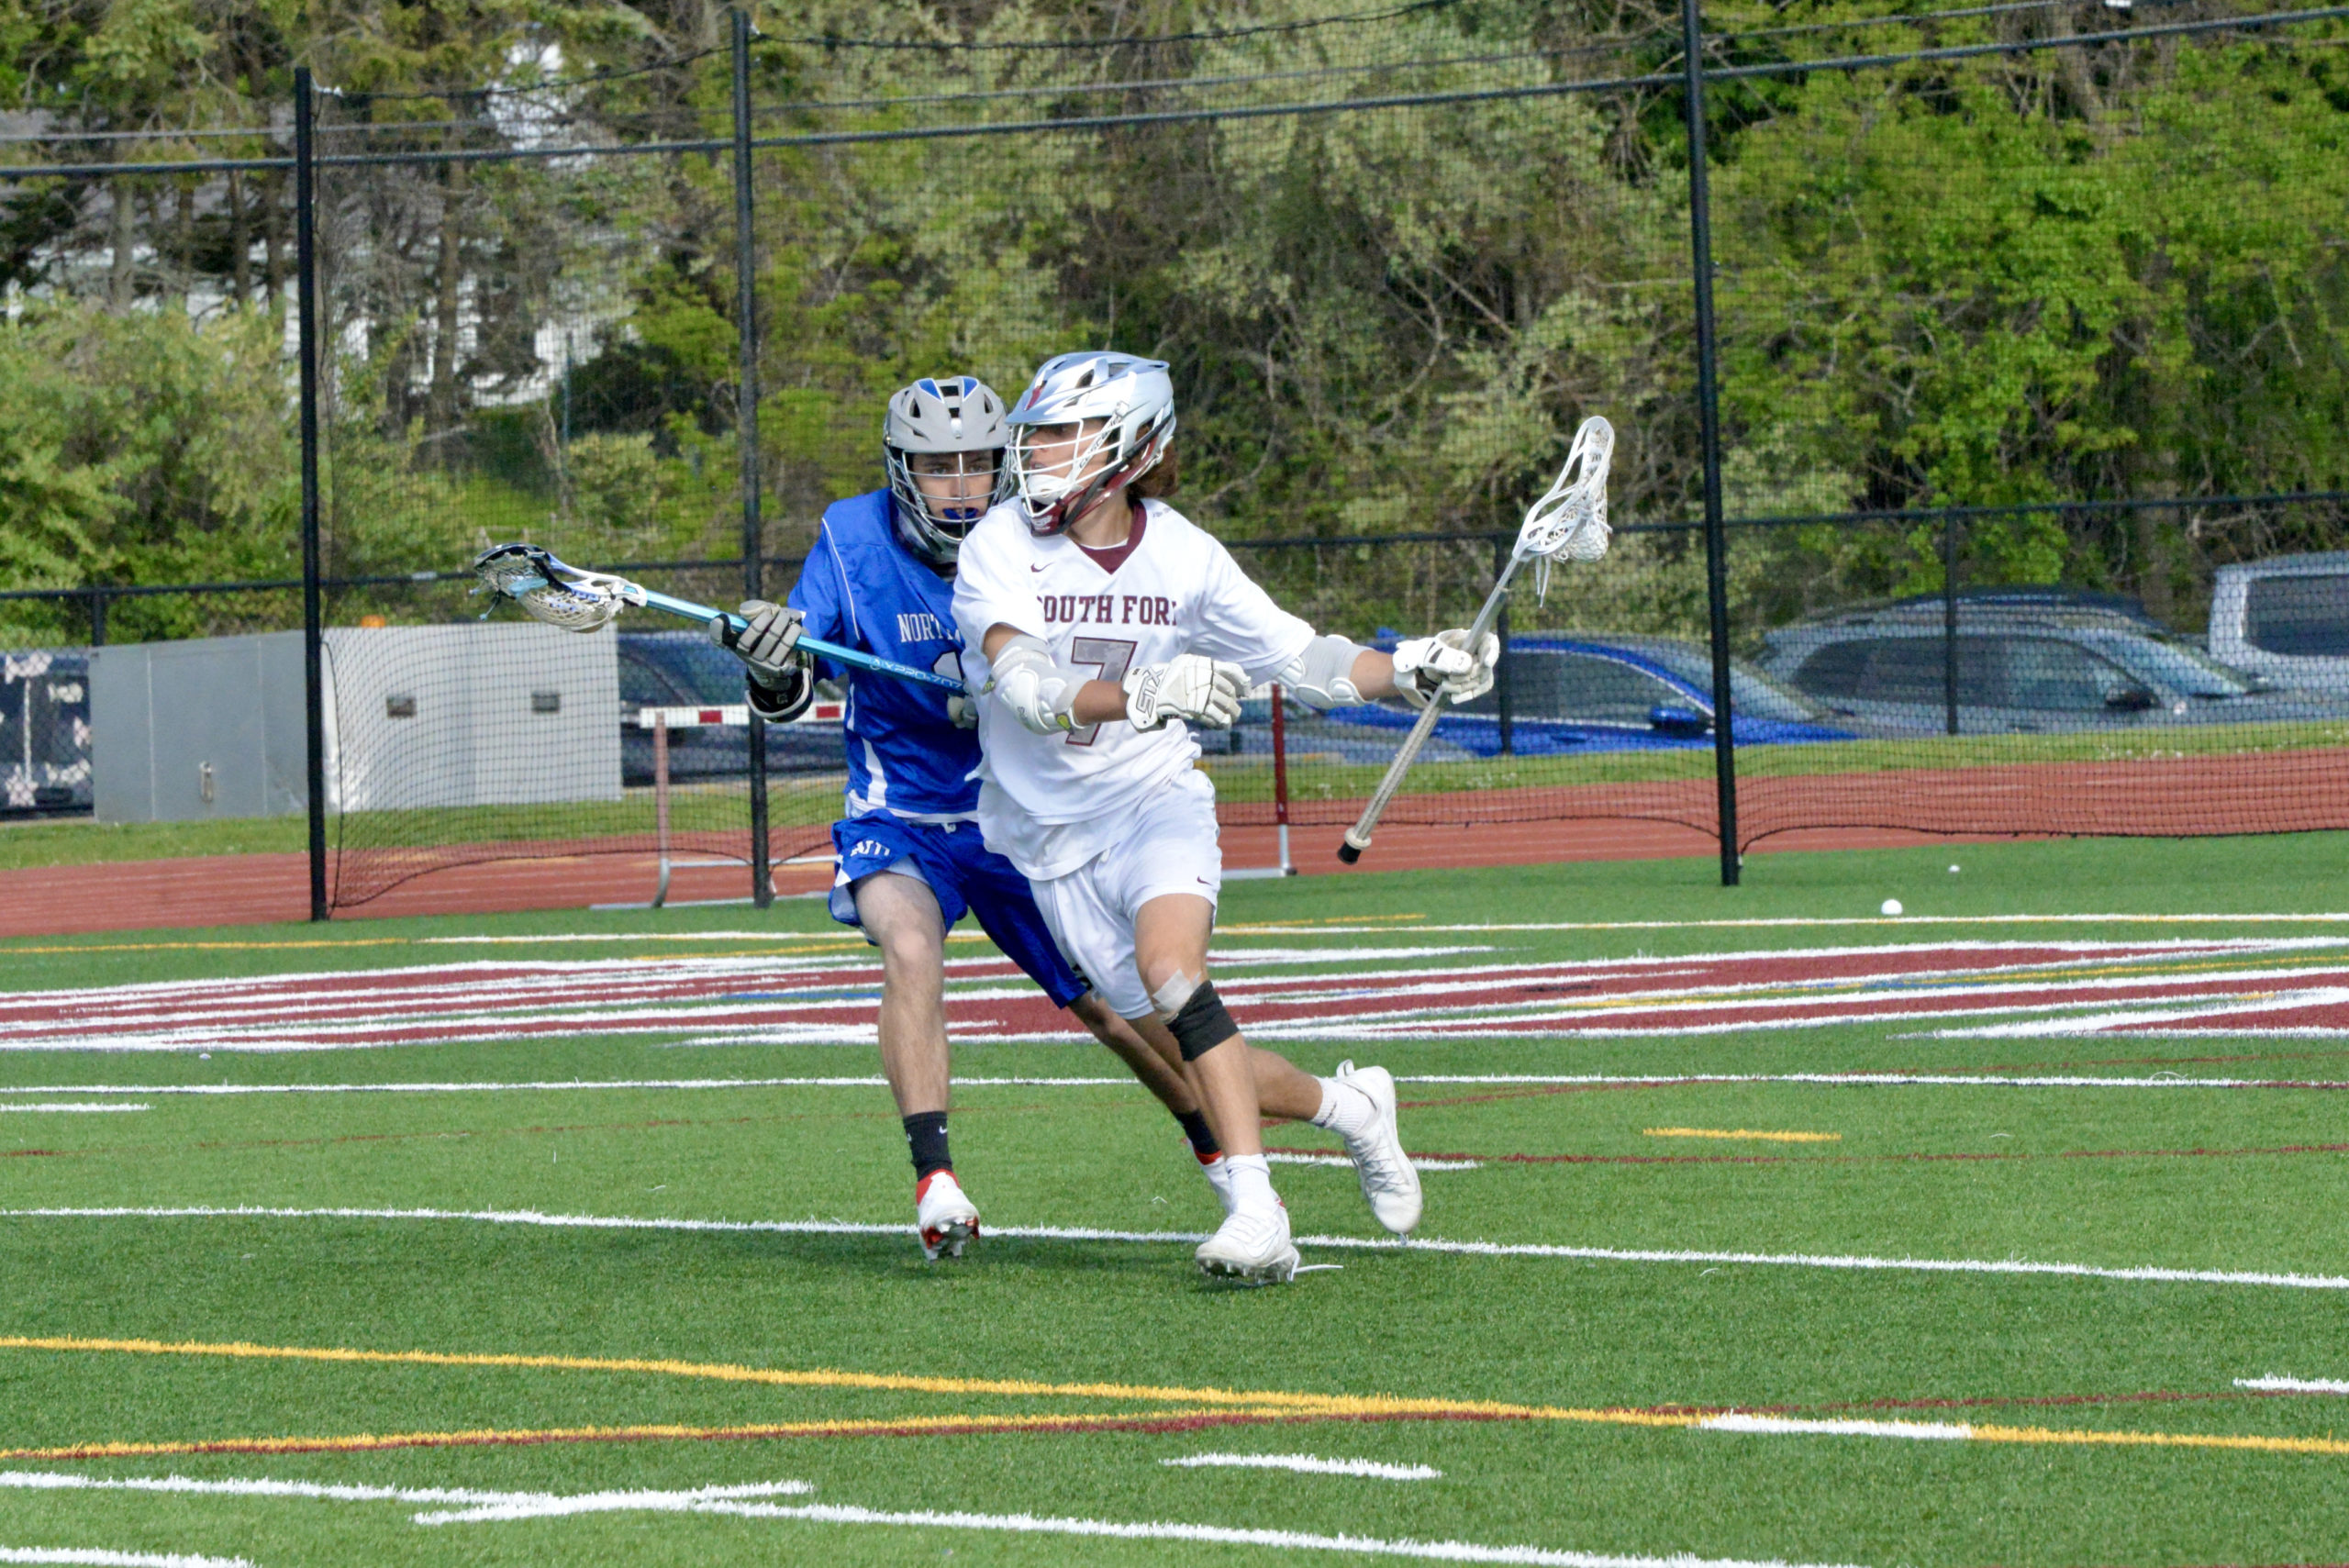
[959,415]
[1134,400]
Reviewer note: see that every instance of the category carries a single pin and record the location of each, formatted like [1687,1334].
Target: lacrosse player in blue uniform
[911,862]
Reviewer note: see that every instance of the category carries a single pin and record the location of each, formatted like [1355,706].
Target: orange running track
[2244,792]
[239,890]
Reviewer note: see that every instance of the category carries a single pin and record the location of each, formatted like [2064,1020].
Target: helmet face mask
[1089,423]
[942,441]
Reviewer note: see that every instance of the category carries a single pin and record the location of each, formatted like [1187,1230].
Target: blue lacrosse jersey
[862,589]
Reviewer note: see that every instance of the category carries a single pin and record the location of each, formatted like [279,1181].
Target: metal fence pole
[1708,418]
[97,616]
[1949,618]
[746,428]
[1501,696]
[313,618]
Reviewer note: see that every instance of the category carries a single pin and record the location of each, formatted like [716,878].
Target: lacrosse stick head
[1570,522]
[549,591]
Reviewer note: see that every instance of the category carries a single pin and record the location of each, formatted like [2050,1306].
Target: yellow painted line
[1188,1402]
[789,1377]
[362,1442]
[1743,1132]
[2252,1441]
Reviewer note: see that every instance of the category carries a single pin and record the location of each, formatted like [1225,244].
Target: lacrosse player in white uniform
[1102,626]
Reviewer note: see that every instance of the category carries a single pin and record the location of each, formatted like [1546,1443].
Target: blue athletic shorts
[968,878]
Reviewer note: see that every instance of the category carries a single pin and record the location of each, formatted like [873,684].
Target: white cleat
[1218,1176]
[944,1216]
[1252,1247]
[1390,1184]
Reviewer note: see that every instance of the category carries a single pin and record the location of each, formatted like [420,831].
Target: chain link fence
[2026,351]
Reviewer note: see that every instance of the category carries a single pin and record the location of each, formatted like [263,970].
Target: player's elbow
[1335,672]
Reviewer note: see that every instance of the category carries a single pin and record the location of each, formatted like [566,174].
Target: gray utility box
[417,717]
[507,714]
[180,731]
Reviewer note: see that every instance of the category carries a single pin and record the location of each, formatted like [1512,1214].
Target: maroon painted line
[1011,1427]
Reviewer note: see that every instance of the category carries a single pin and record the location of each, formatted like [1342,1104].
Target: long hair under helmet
[1134,399]
[956,414]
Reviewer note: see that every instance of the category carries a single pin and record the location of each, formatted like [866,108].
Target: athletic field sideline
[1760,1228]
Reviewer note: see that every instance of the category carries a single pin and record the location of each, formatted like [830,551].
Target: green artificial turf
[2240,1181]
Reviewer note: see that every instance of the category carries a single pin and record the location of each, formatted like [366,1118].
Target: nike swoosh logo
[1035,569]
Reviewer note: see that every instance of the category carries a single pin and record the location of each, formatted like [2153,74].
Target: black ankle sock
[925,1133]
[1202,1136]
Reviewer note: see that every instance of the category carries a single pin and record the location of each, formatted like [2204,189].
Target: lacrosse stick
[1569,522]
[579,600]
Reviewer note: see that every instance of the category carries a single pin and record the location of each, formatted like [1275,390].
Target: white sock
[1345,1110]
[1251,1181]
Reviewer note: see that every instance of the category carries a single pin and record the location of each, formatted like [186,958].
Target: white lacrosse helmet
[959,415]
[1132,397]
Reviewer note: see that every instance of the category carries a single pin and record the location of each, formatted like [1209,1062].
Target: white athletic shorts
[1170,846]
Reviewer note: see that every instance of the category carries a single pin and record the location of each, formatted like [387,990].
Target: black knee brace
[1203,1024]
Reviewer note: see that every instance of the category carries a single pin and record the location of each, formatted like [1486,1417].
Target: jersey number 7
[1112,658]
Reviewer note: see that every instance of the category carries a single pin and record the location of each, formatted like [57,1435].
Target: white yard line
[1944,1431]
[547,1086]
[547,1507]
[745,1502]
[1595,1080]
[67,1481]
[2293,1384]
[1798,922]
[1870,1080]
[2142,1273]
[1339,1162]
[456,1504]
[1277,1539]
[98,1557]
[68,1108]
[1307,1464]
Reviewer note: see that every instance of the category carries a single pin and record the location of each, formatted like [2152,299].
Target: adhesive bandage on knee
[1195,1014]
[1323,675]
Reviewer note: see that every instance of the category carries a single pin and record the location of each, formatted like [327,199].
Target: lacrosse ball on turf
[1892,907]
[1953,871]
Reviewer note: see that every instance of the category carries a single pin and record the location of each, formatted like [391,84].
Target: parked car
[2044,600]
[2019,670]
[2287,620]
[1571,694]
[685,668]
[45,731]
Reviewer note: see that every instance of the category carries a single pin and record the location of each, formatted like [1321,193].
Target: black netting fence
[2031,334]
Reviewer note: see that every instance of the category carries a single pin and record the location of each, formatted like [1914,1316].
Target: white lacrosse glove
[1424,665]
[1207,692]
[766,644]
[1040,693]
[963,711]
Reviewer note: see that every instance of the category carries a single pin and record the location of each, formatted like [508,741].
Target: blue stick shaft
[856,658]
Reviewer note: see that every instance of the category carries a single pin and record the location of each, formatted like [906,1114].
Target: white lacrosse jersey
[1051,803]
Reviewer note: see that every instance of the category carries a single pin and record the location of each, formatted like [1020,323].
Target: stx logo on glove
[1108,609]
